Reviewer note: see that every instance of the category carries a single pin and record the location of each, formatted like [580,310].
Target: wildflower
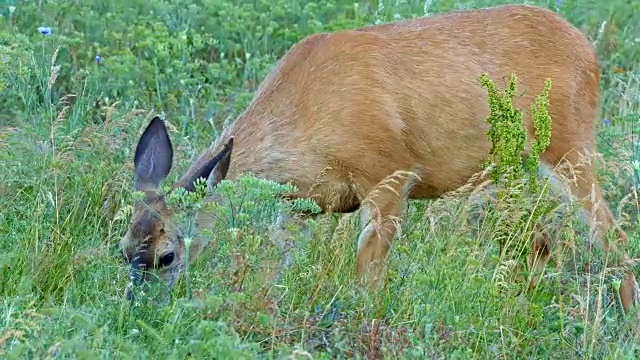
[98,59]
[44,30]
[187,242]
[607,122]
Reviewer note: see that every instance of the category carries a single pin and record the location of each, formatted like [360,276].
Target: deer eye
[167,259]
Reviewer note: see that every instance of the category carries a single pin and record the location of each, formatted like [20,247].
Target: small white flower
[187,242]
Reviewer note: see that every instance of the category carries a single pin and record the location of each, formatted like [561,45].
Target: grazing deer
[342,111]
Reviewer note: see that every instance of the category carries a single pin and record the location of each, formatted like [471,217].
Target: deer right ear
[219,171]
[154,156]
[214,170]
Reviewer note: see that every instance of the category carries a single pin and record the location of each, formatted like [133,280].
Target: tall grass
[67,133]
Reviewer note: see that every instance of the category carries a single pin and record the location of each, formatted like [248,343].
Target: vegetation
[80,79]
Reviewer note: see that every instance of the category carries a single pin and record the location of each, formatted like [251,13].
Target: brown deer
[342,111]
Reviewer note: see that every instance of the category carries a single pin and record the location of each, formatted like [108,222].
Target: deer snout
[147,267]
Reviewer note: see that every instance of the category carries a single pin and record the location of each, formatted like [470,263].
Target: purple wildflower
[98,59]
[607,122]
[44,30]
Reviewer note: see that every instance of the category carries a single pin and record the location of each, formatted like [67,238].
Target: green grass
[68,127]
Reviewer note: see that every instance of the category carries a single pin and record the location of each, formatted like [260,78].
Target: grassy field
[80,79]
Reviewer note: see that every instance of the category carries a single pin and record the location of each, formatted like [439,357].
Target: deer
[355,106]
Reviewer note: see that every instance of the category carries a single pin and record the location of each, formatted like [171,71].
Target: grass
[67,134]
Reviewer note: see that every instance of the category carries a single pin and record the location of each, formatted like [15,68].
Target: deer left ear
[153,157]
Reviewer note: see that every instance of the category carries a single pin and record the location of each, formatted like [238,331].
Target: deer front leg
[380,216]
[282,237]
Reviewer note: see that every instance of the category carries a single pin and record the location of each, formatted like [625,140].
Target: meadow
[79,80]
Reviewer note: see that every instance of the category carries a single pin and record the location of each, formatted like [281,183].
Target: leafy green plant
[510,166]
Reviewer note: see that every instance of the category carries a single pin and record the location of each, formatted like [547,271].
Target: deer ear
[219,171]
[153,157]
[214,170]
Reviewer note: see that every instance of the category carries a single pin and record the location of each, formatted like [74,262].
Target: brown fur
[342,111]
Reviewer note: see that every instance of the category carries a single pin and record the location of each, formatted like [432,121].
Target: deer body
[342,111]
[393,97]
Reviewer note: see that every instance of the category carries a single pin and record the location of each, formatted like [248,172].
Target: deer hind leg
[538,257]
[380,216]
[539,254]
[598,215]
